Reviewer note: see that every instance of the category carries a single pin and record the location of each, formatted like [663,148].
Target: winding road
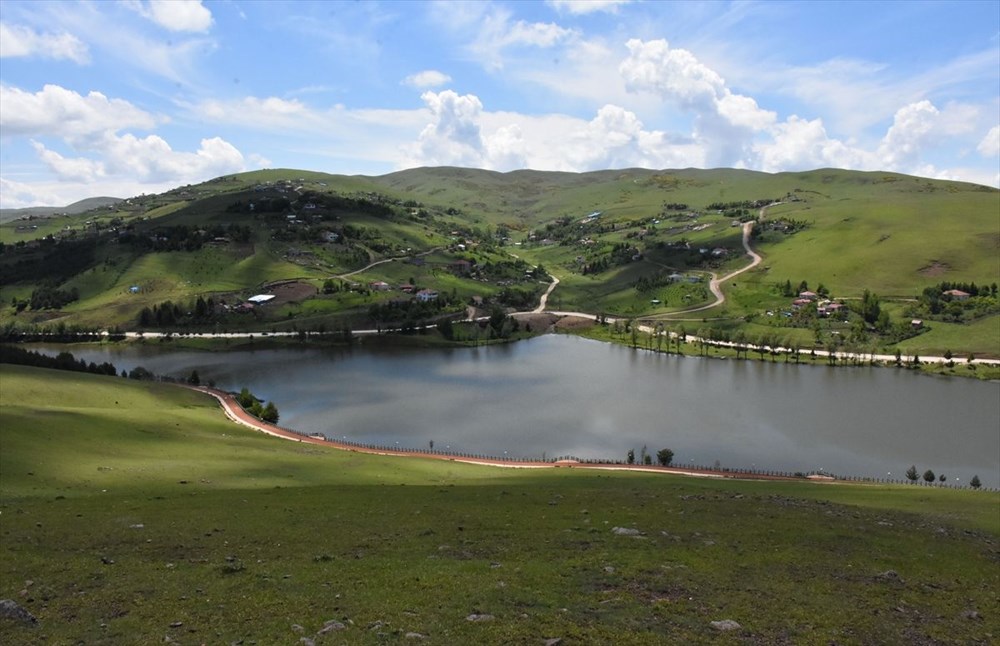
[237,414]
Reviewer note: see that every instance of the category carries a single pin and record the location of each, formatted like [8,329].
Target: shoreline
[238,415]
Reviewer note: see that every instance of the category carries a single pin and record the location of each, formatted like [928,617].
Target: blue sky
[138,96]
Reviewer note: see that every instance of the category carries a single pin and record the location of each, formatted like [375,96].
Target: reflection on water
[562,395]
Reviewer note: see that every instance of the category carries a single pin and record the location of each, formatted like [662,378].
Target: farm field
[132,512]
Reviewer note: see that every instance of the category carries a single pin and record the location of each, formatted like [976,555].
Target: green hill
[134,512]
[76,208]
[613,238]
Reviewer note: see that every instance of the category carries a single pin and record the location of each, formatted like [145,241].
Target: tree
[630,456]
[943,478]
[497,319]
[975,483]
[245,398]
[911,473]
[194,379]
[270,413]
[643,454]
[870,307]
[446,329]
[929,475]
[665,457]
[431,444]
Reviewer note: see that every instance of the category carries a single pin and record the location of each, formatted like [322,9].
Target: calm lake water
[563,395]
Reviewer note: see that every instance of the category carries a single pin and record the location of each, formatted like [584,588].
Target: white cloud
[79,169]
[498,33]
[453,137]
[911,129]
[616,138]
[146,160]
[461,133]
[18,195]
[20,41]
[587,6]
[725,122]
[175,15]
[990,145]
[56,111]
[92,126]
[803,144]
[271,111]
[675,74]
[427,79]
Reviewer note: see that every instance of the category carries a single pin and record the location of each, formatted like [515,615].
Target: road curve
[716,283]
[236,414]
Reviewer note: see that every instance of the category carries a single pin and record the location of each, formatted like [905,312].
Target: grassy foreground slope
[132,512]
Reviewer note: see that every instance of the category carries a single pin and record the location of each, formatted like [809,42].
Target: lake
[558,395]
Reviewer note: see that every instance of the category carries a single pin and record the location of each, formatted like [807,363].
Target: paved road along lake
[563,395]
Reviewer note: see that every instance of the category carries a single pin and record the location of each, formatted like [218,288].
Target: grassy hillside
[134,512]
[614,239]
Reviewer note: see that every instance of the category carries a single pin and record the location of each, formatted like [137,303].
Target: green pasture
[133,512]
[979,337]
[9,233]
[890,247]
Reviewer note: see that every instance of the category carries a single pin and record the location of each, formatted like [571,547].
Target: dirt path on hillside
[544,300]
[715,285]
[385,260]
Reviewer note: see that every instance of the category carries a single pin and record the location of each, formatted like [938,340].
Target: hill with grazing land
[630,244]
[133,512]
[76,208]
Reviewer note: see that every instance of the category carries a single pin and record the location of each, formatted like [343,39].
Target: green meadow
[133,513]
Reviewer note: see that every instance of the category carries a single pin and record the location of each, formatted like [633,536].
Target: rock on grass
[9,609]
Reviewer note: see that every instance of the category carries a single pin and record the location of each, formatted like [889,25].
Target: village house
[425,295]
[831,309]
[957,294]
[379,286]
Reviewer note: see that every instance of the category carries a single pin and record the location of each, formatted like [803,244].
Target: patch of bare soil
[934,269]
[573,323]
[992,240]
[539,322]
[289,292]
